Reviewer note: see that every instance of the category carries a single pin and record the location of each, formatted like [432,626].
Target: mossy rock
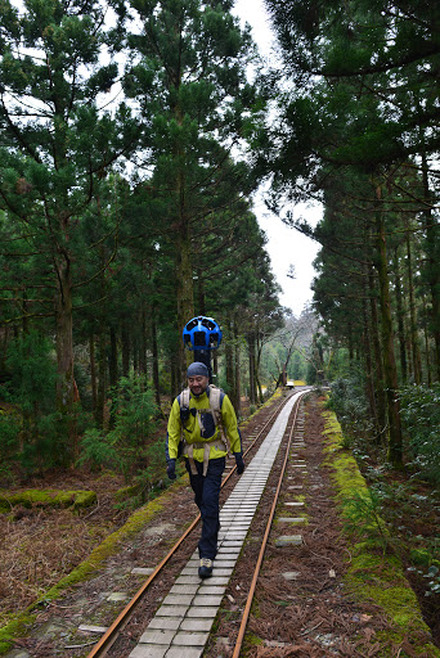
[126,492]
[47,498]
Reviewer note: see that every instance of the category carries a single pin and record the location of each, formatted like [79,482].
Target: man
[200,414]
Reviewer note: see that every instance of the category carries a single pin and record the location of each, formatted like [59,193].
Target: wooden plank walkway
[181,626]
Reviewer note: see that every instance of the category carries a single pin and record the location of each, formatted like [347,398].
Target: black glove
[171,469]
[239,461]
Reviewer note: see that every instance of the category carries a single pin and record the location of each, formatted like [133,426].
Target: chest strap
[206,445]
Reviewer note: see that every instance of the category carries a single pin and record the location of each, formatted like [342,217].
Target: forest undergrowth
[410,509]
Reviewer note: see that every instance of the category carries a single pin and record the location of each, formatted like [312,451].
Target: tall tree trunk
[201,299]
[257,370]
[369,367]
[415,348]
[252,368]
[229,359]
[184,265]
[427,348]
[156,382]
[185,303]
[178,379]
[64,337]
[395,449]
[142,343]
[237,384]
[400,316]
[93,382]
[136,353]
[379,379]
[100,416]
[125,349]
[101,344]
[432,248]
[215,367]
[113,358]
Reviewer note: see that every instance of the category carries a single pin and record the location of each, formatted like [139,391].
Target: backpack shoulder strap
[216,396]
[184,398]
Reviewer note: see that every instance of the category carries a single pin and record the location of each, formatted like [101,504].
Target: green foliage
[362,518]
[133,409]
[339,138]
[111,238]
[347,400]
[128,444]
[298,368]
[431,574]
[420,412]
[150,478]
[97,449]
[400,501]
[31,427]
[32,374]
[55,158]
[9,441]
[194,107]
[371,577]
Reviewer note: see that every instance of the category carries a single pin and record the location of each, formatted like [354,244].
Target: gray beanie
[197,368]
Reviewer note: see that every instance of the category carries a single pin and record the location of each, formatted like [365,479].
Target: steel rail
[111,634]
[250,597]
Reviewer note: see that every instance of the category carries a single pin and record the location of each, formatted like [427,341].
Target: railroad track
[181,625]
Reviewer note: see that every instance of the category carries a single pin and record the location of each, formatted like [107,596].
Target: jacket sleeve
[230,424]
[173,432]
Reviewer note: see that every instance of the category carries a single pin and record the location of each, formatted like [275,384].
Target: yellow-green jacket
[197,427]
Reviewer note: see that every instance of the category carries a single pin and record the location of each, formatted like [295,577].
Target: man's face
[198,384]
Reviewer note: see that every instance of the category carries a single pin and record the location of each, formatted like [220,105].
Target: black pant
[206,496]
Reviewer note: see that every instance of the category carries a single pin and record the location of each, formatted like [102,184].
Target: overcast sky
[285,246]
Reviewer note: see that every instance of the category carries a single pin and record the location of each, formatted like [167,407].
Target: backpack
[215,397]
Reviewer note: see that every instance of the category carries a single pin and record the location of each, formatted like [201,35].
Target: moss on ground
[47,498]
[14,629]
[372,576]
[126,493]
[19,624]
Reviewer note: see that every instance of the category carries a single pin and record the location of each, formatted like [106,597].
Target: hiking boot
[205,568]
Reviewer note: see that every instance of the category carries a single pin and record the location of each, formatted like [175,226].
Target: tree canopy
[358,130]
[125,183]
[132,138]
